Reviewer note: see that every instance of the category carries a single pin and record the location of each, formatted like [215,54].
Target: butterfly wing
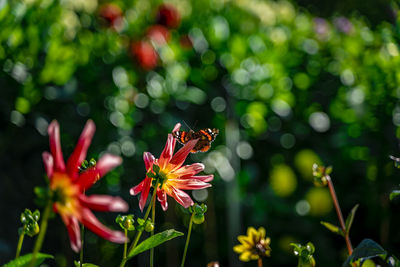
[182,137]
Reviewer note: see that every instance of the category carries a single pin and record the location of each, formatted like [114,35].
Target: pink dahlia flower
[68,185]
[176,176]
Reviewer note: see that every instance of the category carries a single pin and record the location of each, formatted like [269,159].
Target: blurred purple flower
[343,24]
[321,27]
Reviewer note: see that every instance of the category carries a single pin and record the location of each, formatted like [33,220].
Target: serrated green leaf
[154,241]
[367,249]
[24,261]
[333,228]
[394,194]
[350,218]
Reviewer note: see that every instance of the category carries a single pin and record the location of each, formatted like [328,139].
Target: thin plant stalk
[19,246]
[340,215]
[139,233]
[82,242]
[187,240]
[153,217]
[43,227]
[260,262]
[126,243]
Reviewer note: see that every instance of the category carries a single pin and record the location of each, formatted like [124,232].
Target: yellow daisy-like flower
[254,245]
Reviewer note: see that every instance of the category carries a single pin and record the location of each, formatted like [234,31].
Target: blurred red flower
[159,34]
[68,185]
[112,14]
[168,16]
[175,176]
[145,54]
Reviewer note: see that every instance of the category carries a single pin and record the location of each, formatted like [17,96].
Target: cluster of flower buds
[29,221]
[305,254]
[321,174]
[198,212]
[87,164]
[127,222]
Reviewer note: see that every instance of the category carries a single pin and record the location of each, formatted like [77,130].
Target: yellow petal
[262,232]
[239,249]
[245,256]
[252,234]
[245,241]
[254,256]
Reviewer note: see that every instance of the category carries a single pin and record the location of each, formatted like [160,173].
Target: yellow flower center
[65,194]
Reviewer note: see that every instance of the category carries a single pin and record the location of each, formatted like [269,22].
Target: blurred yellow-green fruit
[320,201]
[304,161]
[283,181]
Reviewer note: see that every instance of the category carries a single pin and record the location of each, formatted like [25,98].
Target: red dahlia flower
[176,177]
[145,54]
[68,186]
[168,16]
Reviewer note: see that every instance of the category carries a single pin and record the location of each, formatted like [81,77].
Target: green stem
[187,240]
[139,233]
[19,246]
[82,242]
[153,217]
[42,233]
[339,214]
[125,244]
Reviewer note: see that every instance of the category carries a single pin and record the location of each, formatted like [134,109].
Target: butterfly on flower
[205,136]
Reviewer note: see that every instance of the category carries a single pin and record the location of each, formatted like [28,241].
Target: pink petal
[55,146]
[181,197]
[179,158]
[74,232]
[189,184]
[79,154]
[91,222]
[103,203]
[48,163]
[162,198]
[177,127]
[166,154]
[145,193]
[104,165]
[205,178]
[148,160]
[137,189]
[189,170]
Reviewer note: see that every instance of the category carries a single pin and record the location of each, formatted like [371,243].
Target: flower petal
[48,163]
[189,170]
[55,146]
[104,165]
[137,189]
[177,127]
[179,158]
[166,154]
[74,232]
[91,222]
[104,203]
[148,160]
[145,193]
[188,184]
[162,198]
[205,178]
[181,197]
[79,154]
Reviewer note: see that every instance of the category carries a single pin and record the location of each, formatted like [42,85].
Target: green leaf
[78,264]
[367,249]
[23,261]
[333,228]
[350,218]
[154,241]
[394,194]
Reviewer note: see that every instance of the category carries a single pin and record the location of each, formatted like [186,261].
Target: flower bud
[198,218]
[149,226]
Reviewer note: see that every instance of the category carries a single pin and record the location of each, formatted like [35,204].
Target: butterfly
[205,136]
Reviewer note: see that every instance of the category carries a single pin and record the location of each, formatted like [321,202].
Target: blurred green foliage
[298,89]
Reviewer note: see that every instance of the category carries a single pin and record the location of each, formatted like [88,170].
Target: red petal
[148,160]
[145,193]
[79,154]
[205,178]
[74,232]
[137,189]
[48,163]
[103,203]
[91,222]
[162,198]
[189,170]
[55,146]
[179,158]
[181,197]
[189,184]
[176,127]
[166,155]
[104,165]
